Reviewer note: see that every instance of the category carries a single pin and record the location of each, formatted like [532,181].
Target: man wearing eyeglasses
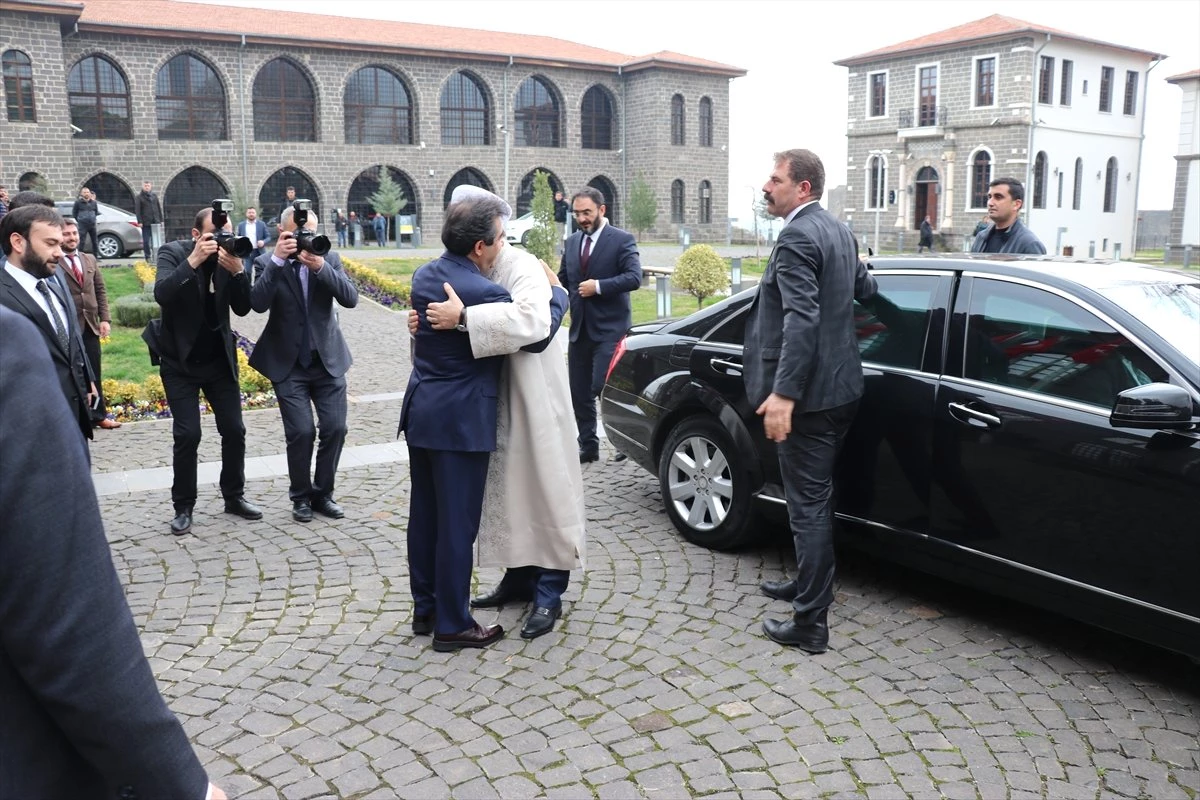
[1006,234]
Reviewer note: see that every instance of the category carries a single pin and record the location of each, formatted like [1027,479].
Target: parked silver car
[117,231]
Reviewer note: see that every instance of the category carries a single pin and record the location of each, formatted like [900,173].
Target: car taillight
[620,351]
[136,224]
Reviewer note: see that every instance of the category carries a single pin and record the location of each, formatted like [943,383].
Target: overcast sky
[793,95]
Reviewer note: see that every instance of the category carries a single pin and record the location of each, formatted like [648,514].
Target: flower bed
[383,289]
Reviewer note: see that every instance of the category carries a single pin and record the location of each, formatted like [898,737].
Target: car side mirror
[1155,406]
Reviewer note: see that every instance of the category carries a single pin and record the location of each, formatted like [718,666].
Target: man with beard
[1006,234]
[83,279]
[32,243]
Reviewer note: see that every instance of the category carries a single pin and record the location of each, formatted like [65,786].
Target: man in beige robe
[533,521]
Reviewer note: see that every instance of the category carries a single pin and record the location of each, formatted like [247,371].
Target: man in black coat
[926,240]
[148,211]
[197,284]
[82,713]
[303,352]
[804,375]
[86,211]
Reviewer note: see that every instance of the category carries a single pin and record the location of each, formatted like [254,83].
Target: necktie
[586,255]
[59,328]
[305,357]
[76,267]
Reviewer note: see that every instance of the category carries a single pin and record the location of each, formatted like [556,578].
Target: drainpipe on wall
[242,103]
[507,133]
[1141,144]
[624,148]
[1027,206]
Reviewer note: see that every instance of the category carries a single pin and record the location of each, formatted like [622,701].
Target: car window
[732,330]
[891,326]
[1038,341]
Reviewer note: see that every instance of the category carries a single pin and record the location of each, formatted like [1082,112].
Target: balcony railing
[928,117]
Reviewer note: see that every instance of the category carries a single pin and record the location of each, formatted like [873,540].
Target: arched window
[1078,194]
[469,176]
[18,87]
[110,189]
[981,176]
[705,204]
[33,182]
[187,193]
[876,182]
[378,108]
[272,197]
[706,122]
[1039,180]
[99,100]
[525,193]
[609,192]
[596,119]
[677,111]
[284,104]
[367,183]
[465,117]
[536,115]
[676,200]
[1110,186]
[190,100]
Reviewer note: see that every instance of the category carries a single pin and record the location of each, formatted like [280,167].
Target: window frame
[1046,80]
[938,293]
[870,105]
[591,120]
[1107,76]
[678,121]
[195,107]
[466,113]
[289,108]
[705,133]
[1132,78]
[1077,190]
[533,125]
[975,78]
[400,125]
[1066,81]
[920,94]
[973,166]
[678,202]
[1041,172]
[1112,175]
[19,94]
[98,97]
[871,188]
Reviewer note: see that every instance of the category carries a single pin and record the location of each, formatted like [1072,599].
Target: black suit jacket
[277,289]
[179,290]
[615,264]
[82,713]
[70,365]
[800,340]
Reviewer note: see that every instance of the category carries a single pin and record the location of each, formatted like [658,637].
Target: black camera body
[307,241]
[239,246]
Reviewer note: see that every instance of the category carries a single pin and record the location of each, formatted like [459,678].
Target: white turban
[465,191]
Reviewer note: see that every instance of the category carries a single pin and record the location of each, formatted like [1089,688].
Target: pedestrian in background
[926,240]
[339,226]
[148,211]
[85,211]
[381,229]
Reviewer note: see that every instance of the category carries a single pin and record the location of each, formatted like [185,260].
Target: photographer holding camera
[196,285]
[303,352]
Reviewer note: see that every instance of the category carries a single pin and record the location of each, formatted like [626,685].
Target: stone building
[209,101]
[1185,208]
[934,119]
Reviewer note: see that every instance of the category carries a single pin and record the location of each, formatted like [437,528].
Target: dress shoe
[811,637]
[541,620]
[499,597]
[586,458]
[422,624]
[108,424]
[239,506]
[327,508]
[477,636]
[302,511]
[780,590]
[182,522]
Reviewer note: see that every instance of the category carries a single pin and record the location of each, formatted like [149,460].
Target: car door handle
[727,367]
[973,417]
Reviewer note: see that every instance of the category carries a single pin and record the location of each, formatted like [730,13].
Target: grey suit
[305,373]
[801,344]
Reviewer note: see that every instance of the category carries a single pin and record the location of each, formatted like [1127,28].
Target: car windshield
[1170,309]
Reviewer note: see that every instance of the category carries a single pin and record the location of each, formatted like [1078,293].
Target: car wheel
[705,485]
[109,246]
[525,239]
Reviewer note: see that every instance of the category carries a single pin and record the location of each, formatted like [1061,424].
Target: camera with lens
[239,246]
[307,241]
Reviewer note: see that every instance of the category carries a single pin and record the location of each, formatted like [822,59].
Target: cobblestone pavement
[285,648]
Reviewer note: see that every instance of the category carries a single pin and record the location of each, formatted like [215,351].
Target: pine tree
[543,233]
[388,199]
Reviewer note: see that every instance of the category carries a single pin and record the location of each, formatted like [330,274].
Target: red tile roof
[1184,76]
[993,27]
[196,20]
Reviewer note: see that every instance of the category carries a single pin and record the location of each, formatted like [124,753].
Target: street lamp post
[879,176]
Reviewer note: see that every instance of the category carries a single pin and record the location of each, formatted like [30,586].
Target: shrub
[152,389]
[381,288]
[135,310]
[250,379]
[701,272]
[543,236]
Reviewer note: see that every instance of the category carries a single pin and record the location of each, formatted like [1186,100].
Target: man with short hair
[304,354]
[449,421]
[86,211]
[287,201]
[804,376]
[82,276]
[255,230]
[1006,234]
[148,211]
[926,240]
[600,267]
[197,285]
[381,226]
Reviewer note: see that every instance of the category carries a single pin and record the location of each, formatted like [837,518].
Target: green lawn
[119,281]
[399,267]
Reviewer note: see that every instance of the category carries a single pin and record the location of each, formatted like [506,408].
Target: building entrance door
[925,199]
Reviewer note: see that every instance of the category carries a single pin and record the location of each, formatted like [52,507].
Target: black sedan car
[1031,427]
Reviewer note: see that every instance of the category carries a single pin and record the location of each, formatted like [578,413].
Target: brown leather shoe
[478,636]
[108,424]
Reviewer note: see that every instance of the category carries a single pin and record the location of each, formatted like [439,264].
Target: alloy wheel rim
[700,483]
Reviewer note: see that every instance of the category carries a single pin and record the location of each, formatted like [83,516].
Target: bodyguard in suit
[82,276]
[197,284]
[255,230]
[449,420]
[600,267]
[803,374]
[82,713]
[304,354]
[32,243]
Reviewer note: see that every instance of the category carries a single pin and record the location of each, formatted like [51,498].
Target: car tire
[525,239]
[109,246]
[705,485]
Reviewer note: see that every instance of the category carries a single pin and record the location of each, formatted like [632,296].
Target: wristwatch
[461,327]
